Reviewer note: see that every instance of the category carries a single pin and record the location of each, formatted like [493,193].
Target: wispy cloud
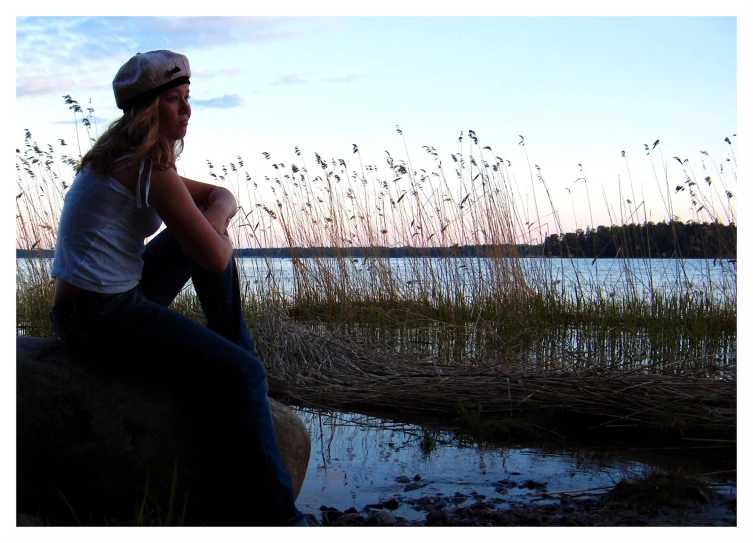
[292,79]
[344,79]
[298,79]
[44,85]
[60,55]
[235,71]
[225,101]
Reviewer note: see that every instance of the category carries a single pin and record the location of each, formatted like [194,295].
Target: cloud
[225,101]
[68,53]
[292,79]
[344,79]
[297,79]
[234,71]
[37,85]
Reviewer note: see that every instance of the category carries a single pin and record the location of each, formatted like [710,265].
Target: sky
[579,82]
[562,97]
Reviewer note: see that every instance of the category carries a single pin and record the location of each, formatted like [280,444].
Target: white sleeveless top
[102,229]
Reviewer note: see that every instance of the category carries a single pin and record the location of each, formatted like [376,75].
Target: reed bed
[505,332]
[335,372]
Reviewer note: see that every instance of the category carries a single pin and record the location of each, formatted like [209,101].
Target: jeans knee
[253,372]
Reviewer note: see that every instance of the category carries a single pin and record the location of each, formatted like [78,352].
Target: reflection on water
[357,460]
[559,347]
[681,346]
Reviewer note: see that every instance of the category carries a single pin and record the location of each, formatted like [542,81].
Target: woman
[112,292]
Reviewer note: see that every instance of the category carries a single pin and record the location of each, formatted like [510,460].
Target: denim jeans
[217,362]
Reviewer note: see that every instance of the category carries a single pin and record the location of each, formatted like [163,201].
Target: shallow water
[357,460]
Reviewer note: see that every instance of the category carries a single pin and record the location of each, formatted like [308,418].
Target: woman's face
[174,112]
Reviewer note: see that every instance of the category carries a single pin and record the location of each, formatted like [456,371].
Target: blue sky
[580,90]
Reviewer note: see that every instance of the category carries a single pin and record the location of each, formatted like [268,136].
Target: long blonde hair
[137,132]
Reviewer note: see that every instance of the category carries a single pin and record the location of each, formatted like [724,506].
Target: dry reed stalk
[337,372]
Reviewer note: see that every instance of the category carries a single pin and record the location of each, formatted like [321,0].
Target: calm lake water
[716,279]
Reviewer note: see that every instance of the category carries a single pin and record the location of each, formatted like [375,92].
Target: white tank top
[102,229]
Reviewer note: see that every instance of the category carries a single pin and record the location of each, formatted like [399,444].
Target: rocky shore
[624,505]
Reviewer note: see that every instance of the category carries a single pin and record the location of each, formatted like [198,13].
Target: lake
[716,279]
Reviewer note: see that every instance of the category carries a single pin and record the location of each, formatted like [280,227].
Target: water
[356,461]
[602,278]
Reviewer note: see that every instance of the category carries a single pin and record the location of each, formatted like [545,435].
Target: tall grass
[491,310]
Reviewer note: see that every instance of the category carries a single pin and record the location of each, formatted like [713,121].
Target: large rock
[90,440]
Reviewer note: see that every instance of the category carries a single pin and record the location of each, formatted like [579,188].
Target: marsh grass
[375,332]
[468,311]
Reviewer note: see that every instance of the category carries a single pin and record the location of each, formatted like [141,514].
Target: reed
[469,309]
[42,179]
[503,309]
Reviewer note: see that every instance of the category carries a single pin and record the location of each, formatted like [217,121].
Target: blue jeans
[217,362]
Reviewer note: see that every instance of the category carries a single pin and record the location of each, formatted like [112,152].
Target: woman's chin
[177,135]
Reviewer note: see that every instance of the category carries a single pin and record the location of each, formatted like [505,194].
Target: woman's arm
[217,203]
[177,200]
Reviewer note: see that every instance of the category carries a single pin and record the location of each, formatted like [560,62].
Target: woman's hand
[216,217]
[217,204]
[177,202]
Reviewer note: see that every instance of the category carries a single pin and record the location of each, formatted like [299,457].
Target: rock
[331,515]
[349,519]
[381,518]
[93,438]
[459,497]
[352,518]
[505,483]
[392,505]
[424,501]
[438,518]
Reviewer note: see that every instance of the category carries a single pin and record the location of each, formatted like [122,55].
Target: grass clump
[673,488]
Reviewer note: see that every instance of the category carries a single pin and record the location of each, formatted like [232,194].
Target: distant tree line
[672,239]
[395,252]
[358,252]
[661,240]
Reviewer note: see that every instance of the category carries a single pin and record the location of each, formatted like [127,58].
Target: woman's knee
[251,370]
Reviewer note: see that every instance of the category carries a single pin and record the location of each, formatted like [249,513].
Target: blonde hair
[137,132]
